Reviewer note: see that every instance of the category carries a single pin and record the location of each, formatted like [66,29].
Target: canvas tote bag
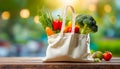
[68,46]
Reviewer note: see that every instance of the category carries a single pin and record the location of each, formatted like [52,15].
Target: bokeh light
[36,19]
[107,8]
[24,13]
[5,15]
[92,7]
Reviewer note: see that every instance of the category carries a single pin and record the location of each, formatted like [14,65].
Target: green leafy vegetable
[87,24]
[46,18]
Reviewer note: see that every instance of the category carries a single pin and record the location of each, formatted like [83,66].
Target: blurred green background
[21,33]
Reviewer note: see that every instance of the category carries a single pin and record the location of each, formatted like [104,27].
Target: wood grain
[36,63]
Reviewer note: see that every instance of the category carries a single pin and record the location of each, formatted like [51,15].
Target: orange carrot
[49,31]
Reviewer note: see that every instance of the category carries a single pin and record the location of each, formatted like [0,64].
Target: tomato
[77,29]
[69,29]
[107,56]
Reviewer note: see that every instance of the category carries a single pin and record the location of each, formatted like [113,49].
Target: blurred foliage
[16,28]
[109,45]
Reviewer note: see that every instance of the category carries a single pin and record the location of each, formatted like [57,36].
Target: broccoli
[87,24]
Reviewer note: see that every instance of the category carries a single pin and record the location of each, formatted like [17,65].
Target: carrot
[49,31]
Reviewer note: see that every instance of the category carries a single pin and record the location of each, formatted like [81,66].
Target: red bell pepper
[57,24]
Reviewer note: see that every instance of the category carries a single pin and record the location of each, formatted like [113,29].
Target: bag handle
[64,19]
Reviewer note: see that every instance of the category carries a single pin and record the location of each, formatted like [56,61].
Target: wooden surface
[36,63]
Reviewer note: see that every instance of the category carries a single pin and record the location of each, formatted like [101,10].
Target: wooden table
[36,63]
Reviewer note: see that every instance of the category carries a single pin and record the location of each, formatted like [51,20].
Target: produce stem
[83,30]
[59,17]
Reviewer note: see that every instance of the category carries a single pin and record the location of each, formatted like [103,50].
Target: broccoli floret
[87,24]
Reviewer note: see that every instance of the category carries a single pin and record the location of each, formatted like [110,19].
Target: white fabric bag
[68,46]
